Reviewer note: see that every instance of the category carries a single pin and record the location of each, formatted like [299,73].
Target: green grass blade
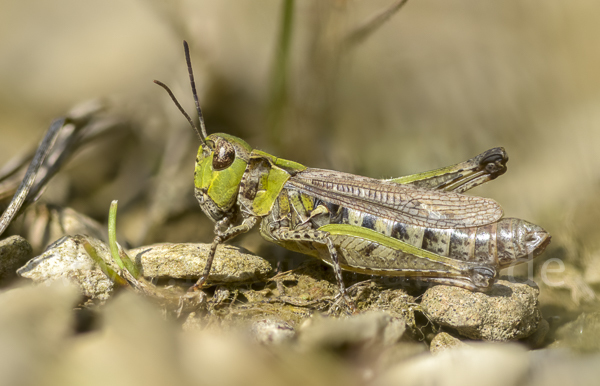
[120,257]
[108,271]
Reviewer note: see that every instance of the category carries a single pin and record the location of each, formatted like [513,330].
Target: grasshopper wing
[392,201]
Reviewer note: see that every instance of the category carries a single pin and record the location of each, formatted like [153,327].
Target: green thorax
[263,181]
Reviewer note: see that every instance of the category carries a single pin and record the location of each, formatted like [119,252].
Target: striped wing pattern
[403,203]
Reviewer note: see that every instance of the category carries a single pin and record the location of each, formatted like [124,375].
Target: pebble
[269,331]
[508,312]
[14,252]
[372,328]
[444,341]
[66,260]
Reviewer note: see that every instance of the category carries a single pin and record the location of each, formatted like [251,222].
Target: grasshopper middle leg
[287,234]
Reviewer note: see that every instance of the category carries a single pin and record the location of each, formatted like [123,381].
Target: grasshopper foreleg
[286,234]
[221,237]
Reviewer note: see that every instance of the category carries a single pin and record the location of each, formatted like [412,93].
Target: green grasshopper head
[221,160]
[220,164]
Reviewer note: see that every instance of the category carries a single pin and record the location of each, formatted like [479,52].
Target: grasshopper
[418,226]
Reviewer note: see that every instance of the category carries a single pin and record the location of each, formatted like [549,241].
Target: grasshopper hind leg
[286,234]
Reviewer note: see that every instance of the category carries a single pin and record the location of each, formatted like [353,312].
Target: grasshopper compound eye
[224,155]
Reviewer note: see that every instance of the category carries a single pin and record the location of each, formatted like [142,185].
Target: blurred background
[324,84]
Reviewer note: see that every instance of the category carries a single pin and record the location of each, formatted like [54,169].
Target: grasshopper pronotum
[414,226]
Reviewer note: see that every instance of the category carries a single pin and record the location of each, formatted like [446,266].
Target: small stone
[366,330]
[187,260]
[394,301]
[509,311]
[268,331]
[14,252]
[443,341]
[66,260]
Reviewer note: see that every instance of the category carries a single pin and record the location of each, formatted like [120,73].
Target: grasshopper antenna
[188,60]
[161,84]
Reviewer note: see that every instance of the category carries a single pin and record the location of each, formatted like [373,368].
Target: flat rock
[14,252]
[508,312]
[187,260]
[66,260]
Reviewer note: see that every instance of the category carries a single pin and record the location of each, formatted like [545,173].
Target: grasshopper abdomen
[386,251]
[502,243]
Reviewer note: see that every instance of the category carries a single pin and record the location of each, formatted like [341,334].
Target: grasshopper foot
[198,286]
[342,303]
